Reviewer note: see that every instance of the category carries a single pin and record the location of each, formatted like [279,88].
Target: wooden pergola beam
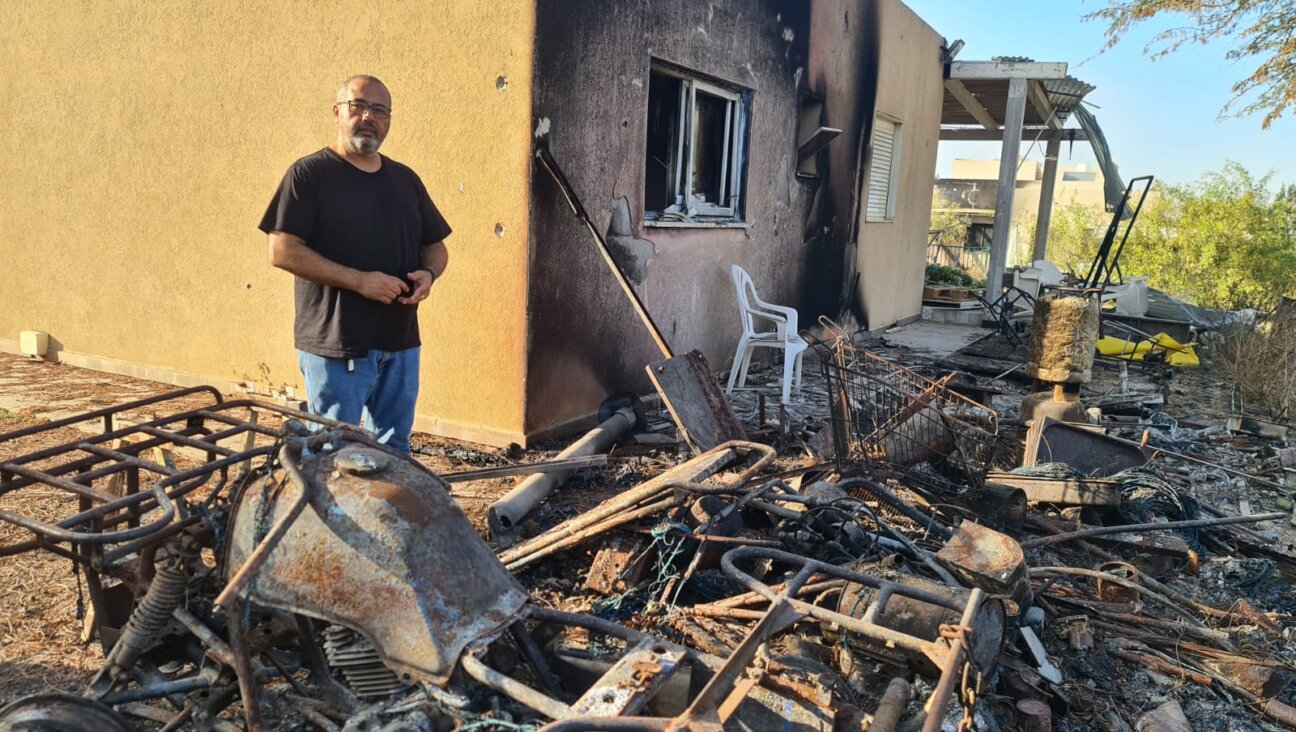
[1007,70]
[1039,99]
[972,134]
[960,92]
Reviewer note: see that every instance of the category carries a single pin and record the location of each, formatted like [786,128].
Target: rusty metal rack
[885,413]
[125,500]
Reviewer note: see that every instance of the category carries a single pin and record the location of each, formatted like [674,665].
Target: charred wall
[590,108]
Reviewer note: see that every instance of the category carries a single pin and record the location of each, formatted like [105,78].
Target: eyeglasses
[357,108]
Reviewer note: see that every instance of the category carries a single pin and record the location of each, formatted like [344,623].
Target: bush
[941,275]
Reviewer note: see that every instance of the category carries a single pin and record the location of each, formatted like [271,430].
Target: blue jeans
[380,387]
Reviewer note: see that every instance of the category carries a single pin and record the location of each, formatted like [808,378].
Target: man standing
[365,242]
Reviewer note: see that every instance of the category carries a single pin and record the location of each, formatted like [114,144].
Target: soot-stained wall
[593,61]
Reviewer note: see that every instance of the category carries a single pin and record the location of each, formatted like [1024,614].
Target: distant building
[973,185]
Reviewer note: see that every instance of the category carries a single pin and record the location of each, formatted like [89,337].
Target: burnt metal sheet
[982,557]
[1086,449]
[619,564]
[692,395]
[380,548]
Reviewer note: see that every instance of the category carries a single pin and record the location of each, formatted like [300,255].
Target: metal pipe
[891,706]
[695,469]
[507,513]
[515,689]
[216,648]
[247,683]
[179,686]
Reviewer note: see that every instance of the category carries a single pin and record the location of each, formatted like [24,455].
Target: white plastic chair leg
[789,367]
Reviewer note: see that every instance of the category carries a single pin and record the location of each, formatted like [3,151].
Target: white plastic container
[33,343]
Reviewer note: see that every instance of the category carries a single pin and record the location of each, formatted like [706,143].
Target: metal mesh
[885,413]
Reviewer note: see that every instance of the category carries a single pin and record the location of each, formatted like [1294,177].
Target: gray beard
[363,145]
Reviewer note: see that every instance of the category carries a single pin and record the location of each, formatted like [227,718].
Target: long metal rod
[694,469]
[939,699]
[1154,526]
[551,166]
[548,466]
[519,691]
[110,411]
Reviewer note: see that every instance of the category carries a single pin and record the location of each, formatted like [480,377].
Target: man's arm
[433,257]
[290,253]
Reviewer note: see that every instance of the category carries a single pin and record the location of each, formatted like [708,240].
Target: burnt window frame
[680,206]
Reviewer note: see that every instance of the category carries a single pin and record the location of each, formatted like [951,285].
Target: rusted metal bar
[1149,661]
[720,689]
[548,466]
[247,683]
[109,411]
[687,473]
[590,532]
[1209,635]
[1080,572]
[520,692]
[958,651]
[867,625]
[551,166]
[216,648]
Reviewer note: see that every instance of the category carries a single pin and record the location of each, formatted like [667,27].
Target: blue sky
[1160,116]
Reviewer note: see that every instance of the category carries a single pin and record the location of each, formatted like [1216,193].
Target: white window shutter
[881,179]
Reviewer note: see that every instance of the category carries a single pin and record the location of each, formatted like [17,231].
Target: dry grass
[1260,361]
[40,637]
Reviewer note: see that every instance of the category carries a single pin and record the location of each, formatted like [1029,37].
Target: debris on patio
[896,550]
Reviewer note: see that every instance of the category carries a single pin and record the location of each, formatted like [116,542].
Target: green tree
[949,226]
[1262,30]
[1226,241]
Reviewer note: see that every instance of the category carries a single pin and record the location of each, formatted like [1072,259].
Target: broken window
[884,170]
[696,149]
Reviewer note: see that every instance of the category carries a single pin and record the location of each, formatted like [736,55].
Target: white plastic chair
[783,336]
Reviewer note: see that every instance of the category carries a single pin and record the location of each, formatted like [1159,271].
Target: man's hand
[382,287]
[422,280]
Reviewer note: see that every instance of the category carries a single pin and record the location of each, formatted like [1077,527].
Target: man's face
[363,116]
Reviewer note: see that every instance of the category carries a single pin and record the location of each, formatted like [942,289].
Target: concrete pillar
[1012,133]
[1045,215]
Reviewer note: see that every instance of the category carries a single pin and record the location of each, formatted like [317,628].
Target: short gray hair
[345,86]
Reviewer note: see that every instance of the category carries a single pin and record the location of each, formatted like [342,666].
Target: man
[365,242]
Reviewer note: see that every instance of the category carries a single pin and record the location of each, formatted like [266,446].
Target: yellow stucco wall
[892,254]
[148,138]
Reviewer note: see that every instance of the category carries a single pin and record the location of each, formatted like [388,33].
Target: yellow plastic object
[1177,354]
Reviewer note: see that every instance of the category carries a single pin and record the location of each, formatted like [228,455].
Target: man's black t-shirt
[373,222]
